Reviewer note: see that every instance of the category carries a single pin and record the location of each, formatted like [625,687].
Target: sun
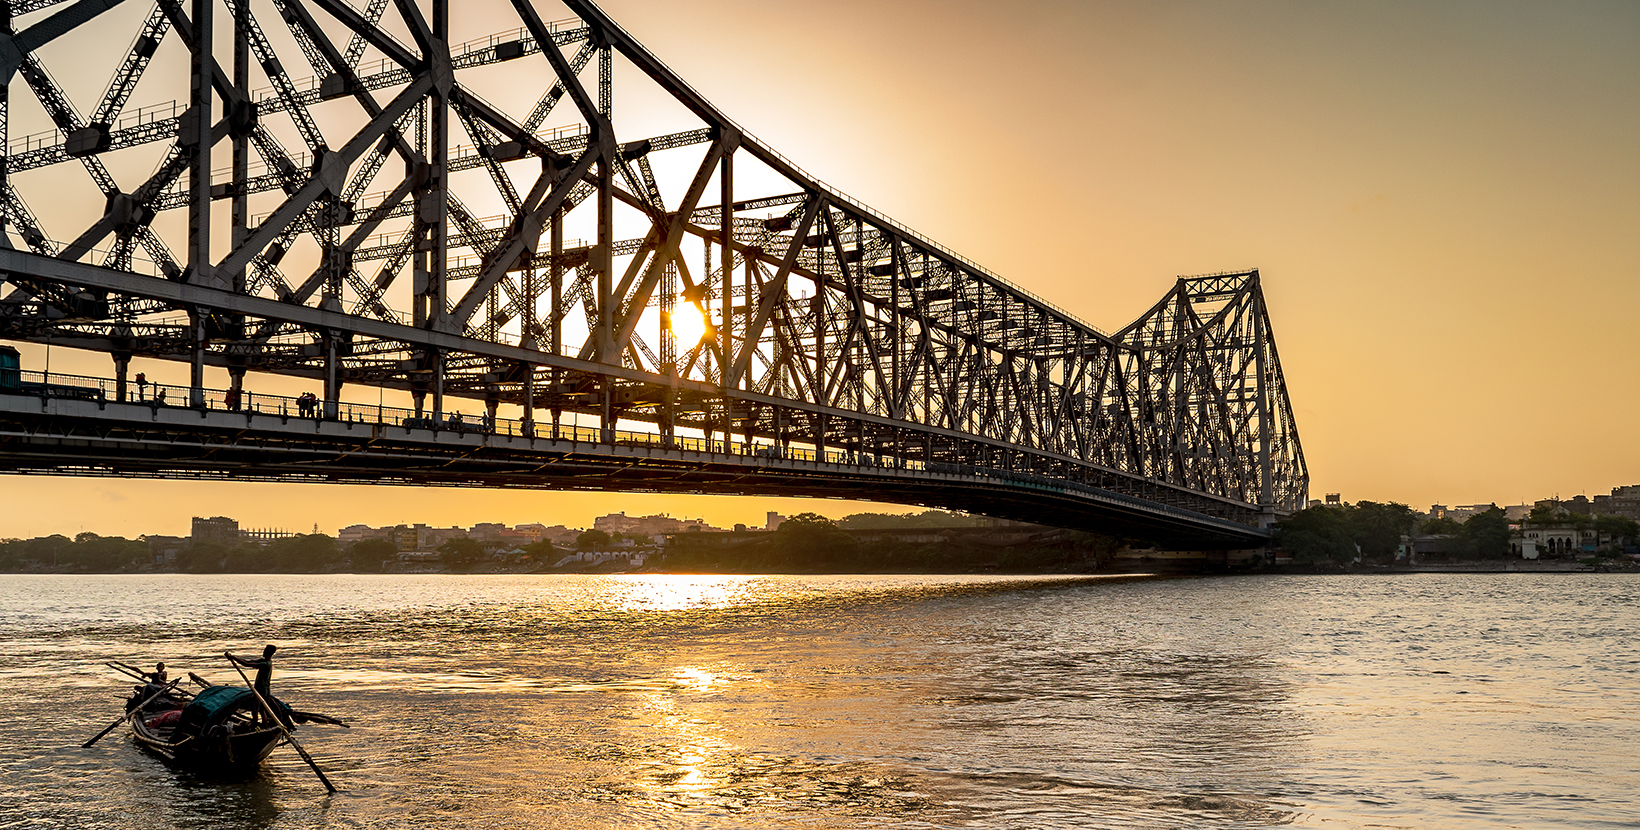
[688,324]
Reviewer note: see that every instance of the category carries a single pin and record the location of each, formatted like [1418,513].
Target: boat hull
[228,756]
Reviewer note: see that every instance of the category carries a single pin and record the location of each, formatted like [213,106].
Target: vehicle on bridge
[12,381]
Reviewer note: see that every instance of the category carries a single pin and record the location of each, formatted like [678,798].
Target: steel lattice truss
[313,204]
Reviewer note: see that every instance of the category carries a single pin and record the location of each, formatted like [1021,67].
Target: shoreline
[1489,567]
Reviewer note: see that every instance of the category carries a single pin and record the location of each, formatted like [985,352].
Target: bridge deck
[60,432]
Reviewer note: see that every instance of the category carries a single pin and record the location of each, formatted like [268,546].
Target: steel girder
[364,257]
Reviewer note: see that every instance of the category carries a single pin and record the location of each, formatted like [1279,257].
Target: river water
[1414,701]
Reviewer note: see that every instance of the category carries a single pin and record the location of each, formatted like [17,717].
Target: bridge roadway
[69,425]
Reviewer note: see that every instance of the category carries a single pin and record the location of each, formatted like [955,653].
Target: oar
[315,717]
[289,738]
[130,671]
[137,675]
[200,680]
[133,711]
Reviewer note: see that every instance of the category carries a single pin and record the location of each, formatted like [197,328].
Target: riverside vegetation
[805,543]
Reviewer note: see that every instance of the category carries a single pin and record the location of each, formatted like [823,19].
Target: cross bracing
[361,197]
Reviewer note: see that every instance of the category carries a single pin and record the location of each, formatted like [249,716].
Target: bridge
[312,194]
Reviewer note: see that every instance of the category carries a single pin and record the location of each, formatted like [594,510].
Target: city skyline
[1440,199]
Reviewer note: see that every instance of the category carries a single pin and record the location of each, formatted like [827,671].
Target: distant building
[1464,512]
[487,531]
[1565,540]
[215,529]
[774,521]
[1623,501]
[358,533]
[645,525]
[534,532]
[164,549]
[262,536]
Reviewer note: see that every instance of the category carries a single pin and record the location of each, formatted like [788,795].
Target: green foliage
[1486,534]
[764,553]
[1378,528]
[1317,534]
[1617,527]
[457,552]
[85,552]
[907,521]
[809,540]
[1546,514]
[1370,529]
[378,552]
[302,553]
[543,552]
[1442,526]
[592,540]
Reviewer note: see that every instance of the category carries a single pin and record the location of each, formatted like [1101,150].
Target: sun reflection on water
[679,592]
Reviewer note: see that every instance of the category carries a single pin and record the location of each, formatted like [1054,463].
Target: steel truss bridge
[350,196]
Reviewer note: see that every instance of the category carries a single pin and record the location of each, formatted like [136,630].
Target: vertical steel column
[605,265]
[1266,493]
[199,184]
[5,128]
[122,364]
[333,383]
[440,194]
[556,288]
[197,129]
[555,333]
[196,369]
[529,400]
[240,131]
[726,328]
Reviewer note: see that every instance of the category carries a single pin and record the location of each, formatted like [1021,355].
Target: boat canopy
[214,704]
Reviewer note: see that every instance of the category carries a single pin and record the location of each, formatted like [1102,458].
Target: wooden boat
[220,731]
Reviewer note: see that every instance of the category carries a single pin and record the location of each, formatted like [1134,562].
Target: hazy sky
[1443,199]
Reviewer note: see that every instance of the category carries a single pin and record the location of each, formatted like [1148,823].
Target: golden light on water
[694,679]
[677,592]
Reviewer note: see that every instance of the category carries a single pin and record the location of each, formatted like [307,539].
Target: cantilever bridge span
[378,203]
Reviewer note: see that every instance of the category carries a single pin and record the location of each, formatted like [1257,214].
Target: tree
[1378,528]
[542,551]
[1441,526]
[812,541]
[1617,527]
[202,557]
[460,551]
[1317,534]
[1487,533]
[301,554]
[375,551]
[1546,514]
[592,540]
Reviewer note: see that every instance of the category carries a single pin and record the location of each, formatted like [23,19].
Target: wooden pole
[289,738]
[134,710]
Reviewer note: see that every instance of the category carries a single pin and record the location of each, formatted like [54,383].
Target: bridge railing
[57,385]
[151,393]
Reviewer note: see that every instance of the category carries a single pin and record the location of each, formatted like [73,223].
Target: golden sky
[1443,199]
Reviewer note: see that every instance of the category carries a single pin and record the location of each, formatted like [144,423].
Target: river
[566,702]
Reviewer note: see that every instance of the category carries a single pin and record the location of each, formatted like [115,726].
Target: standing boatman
[264,670]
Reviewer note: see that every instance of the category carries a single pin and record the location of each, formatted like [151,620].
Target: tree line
[1372,531]
[812,543]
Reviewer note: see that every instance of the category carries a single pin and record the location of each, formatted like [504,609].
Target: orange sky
[1442,198]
